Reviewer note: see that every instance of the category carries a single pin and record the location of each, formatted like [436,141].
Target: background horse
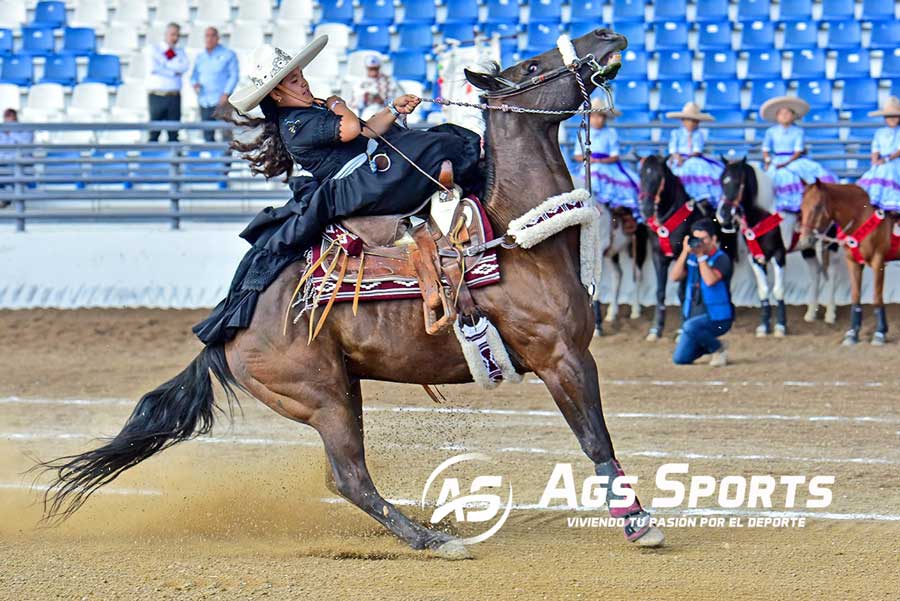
[868,236]
[540,308]
[620,235]
[746,204]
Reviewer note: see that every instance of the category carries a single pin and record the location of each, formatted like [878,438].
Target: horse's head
[546,82]
[815,218]
[739,188]
[653,183]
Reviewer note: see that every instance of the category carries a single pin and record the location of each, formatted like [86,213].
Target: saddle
[426,245]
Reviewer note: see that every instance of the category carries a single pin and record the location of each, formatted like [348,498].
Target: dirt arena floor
[245,514]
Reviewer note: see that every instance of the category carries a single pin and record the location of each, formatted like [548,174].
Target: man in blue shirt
[707,308]
[214,77]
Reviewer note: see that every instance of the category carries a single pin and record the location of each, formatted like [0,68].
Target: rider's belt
[165,93]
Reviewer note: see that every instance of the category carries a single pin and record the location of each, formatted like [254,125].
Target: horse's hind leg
[762,289]
[828,253]
[572,381]
[881,327]
[612,311]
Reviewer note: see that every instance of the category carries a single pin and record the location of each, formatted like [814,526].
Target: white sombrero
[770,107]
[269,66]
[891,108]
[691,110]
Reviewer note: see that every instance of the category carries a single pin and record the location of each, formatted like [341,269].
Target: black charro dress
[343,183]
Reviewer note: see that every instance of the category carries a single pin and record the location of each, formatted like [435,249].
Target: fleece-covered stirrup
[485,353]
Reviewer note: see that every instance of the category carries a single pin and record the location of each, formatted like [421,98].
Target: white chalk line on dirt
[105,491]
[654,454]
[736,383]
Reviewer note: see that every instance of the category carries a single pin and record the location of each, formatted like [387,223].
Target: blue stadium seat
[753,10]
[579,28]
[860,94]
[508,32]
[635,33]
[461,11]
[6,42]
[337,11]
[373,37]
[586,10]
[634,65]
[49,14]
[712,11]
[844,35]
[837,10]
[120,169]
[79,41]
[714,36]
[852,64]
[61,69]
[823,115]
[419,12]
[890,65]
[545,11]
[674,64]
[674,94]
[206,170]
[796,10]
[800,36]
[719,65]
[726,116]
[463,32]
[670,10]
[819,150]
[808,64]
[862,115]
[37,41]
[377,12]
[17,69]
[104,68]
[502,11]
[628,11]
[636,134]
[757,35]
[73,169]
[877,10]
[723,94]
[817,92]
[763,64]
[409,65]
[885,35]
[671,35]
[763,89]
[632,95]
[540,37]
[415,36]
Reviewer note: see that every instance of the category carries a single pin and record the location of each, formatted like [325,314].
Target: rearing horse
[540,308]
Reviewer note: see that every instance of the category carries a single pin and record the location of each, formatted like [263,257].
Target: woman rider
[348,169]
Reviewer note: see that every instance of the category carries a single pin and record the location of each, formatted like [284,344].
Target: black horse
[740,208]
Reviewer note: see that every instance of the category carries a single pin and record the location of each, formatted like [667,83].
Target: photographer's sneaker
[720,357]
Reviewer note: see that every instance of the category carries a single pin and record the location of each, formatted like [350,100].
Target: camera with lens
[695,242]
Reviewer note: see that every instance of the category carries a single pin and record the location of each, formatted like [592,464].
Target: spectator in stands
[699,174]
[375,90]
[882,181]
[707,309]
[12,138]
[789,169]
[168,63]
[215,76]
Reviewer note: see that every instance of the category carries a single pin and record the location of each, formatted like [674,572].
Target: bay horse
[869,237]
[620,236]
[747,204]
[540,308]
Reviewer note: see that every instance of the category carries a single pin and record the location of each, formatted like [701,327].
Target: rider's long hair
[266,153]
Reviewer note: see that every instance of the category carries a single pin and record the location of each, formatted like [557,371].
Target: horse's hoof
[831,316]
[762,331]
[652,336]
[453,549]
[878,339]
[810,315]
[850,341]
[780,330]
[654,537]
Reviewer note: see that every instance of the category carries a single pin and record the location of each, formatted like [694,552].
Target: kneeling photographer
[707,309]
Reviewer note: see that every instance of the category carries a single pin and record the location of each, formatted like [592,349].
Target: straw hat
[691,110]
[598,105]
[269,66]
[891,108]
[771,106]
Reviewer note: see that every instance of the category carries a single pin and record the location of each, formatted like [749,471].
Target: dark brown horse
[868,236]
[540,308]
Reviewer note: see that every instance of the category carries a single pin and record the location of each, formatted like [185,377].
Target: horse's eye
[533,68]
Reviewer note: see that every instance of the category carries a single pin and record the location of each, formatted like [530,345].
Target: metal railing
[187,180]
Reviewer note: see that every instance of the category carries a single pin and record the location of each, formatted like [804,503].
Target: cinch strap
[670,225]
[752,235]
[855,240]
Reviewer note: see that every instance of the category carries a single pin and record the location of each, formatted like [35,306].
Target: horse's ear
[744,160]
[482,81]
[724,159]
[804,182]
[818,183]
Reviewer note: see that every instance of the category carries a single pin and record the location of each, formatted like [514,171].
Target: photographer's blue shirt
[714,300]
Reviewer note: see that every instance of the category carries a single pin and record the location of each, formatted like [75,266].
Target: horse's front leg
[571,378]
[881,327]
[661,264]
[762,289]
[612,311]
[778,293]
[829,253]
[815,274]
[856,315]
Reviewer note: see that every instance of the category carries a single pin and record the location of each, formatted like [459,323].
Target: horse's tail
[178,410]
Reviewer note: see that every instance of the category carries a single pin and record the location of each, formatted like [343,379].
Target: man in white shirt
[168,64]
[375,90]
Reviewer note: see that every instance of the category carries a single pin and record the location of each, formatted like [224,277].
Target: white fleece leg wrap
[485,353]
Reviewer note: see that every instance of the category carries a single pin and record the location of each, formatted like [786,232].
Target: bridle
[735,204]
